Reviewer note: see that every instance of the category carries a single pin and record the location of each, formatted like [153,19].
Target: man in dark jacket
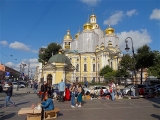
[9,94]
[43,90]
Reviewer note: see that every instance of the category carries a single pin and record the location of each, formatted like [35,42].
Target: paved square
[125,109]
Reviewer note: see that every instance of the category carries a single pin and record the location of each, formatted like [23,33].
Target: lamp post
[127,49]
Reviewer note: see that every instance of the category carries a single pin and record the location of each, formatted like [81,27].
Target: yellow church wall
[58,76]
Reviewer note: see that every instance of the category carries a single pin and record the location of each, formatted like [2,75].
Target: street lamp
[127,49]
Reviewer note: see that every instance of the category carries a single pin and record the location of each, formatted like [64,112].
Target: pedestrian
[50,90]
[27,84]
[35,87]
[31,83]
[9,93]
[86,84]
[61,88]
[72,90]
[43,90]
[79,97]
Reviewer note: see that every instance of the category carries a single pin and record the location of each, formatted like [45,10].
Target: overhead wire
[39,20]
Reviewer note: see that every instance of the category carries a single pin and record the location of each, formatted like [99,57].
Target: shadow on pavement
[155,100]
[4,117]
[60,114]
[21,103]
[2,100]
[19,94]
[1,114]
[156,106]
[156,116]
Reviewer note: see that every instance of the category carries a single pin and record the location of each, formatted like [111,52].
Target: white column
[53,78]
[45,77]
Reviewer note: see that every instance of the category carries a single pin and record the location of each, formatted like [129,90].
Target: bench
[51,114]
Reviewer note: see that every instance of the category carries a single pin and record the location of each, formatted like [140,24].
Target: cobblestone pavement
[125,109]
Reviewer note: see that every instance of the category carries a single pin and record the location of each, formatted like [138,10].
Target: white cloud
[91,2]
[131,12]
[4,42]
[114,19]
[35,51]
[155,14]
[19,46]
[118,16]
[9,64]
[139,37]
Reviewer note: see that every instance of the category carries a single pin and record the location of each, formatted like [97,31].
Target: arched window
[98,67]
[94,68]
[85,67]
[111,65]
[77,67]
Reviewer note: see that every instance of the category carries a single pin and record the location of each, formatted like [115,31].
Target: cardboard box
[37,111]
[25,111]
[34,117]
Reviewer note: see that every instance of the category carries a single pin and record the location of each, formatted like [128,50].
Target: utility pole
[28,70]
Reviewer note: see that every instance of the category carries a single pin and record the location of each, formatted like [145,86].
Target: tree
[126,64]
[105,70]
[155,69]
[51,49]
[144,58]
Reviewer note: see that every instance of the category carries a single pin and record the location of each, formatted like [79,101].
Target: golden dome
[68,36]
[87,26]
[76,35]
[109,30]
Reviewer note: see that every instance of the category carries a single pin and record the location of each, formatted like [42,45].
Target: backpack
[83,92]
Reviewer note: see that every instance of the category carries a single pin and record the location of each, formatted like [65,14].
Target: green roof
[59,58]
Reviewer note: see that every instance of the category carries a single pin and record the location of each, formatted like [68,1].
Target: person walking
[9,93]
[50,90]
[31,83]
[43,90]
[61,88]
[35,87]
[72,90]
[79,97]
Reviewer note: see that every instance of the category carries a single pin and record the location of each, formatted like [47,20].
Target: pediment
[49,67]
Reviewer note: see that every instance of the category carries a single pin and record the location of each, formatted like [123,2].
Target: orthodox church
[90,50]
[82,57]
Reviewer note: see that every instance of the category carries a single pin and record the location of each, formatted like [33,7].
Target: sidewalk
[24,90]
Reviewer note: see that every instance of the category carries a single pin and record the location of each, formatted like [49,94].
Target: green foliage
[51,49]
[105,70]
[155,69]
[110,75]
[126,63]
[144,57]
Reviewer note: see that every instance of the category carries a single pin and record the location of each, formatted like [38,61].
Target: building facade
[91,50]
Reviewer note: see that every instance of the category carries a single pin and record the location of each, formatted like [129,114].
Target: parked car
[131,88]
[21,85]
[5,86]
[1,88]
[96,89]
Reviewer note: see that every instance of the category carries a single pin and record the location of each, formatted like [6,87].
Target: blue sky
[27,25]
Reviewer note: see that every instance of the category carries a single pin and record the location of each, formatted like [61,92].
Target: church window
[98,67]
[111,65]
[94,68]
[85,78]
[77,79]
[85,59]
[77,67]
[85,67]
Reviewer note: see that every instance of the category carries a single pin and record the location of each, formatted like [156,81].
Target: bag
[83,92]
